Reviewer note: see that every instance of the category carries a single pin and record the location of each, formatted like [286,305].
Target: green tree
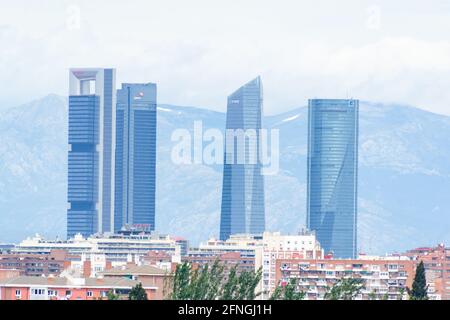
[372,296]
[215,280]
[401,292]
[112,296]
[137,293]
[247,283]
[288,292]
[202,283]
[209,283]
[419,286]
[180,282]
[231,285]
[345,289]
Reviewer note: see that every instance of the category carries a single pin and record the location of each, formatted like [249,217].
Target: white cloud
[200,51]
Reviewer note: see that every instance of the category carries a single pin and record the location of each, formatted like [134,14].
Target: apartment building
[117,247]
[246,244]
[52,263]
[384,277]
[436,261]
[228,260]
[278,246]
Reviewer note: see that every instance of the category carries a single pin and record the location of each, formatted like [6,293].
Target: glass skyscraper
[243,183]
[333,174]
[91,151]
[135,156]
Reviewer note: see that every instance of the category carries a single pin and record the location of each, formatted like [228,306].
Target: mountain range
[404,175]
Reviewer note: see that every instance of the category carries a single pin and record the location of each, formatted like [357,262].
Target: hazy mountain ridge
[404,177]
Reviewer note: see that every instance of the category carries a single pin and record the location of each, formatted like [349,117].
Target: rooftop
[26,281]
[144,270]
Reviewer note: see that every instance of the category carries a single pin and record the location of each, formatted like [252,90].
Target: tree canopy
[137,293]
[419,286]
[345,289]
[288,292]
[210,283]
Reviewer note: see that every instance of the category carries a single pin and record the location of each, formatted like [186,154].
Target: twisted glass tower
[243,184]
[135,156]
[332,174]
[91,151]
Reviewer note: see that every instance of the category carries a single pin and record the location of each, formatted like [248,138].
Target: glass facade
[108,121]
[90,156]
[242,208]
[333,174]
[83,165]
[136,117]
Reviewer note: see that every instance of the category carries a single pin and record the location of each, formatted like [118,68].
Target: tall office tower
[135,156]
[333,174]
[243,182]
[91,151]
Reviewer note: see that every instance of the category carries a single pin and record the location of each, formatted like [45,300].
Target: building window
[68,293]
[104,293]
[18,294]
[89,294]
[38,292]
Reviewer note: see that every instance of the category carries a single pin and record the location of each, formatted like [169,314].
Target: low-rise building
[117,247]
[228,260]
[150,276]
[243,243]
[66,288]
[52,263]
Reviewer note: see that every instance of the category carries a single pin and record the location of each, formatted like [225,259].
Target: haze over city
[381,51]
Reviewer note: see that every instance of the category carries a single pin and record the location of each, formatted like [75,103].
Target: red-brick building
[36,264]
[384,278]
[228,260]
[436,261]
[150,276]
[63,288]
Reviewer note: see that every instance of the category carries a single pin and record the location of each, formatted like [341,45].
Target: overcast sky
[198,51]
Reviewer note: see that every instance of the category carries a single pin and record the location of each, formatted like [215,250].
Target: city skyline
[112,181]
[327,249]
[166,110]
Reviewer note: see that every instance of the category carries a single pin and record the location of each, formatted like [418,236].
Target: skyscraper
[243,182]
[135,156]
[333,174]
[91,151]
